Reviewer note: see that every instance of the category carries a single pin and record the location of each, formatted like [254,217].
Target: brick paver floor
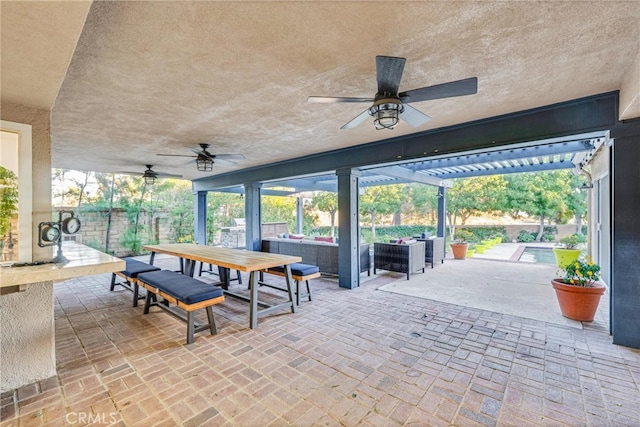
[359,357]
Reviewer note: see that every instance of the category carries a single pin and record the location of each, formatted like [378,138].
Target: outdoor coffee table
[234,259]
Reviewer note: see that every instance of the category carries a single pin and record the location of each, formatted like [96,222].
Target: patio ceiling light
[149,179]
[204,164]
[385,113]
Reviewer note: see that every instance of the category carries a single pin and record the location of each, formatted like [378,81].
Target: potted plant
[459,245]
[471,250]
[579,291]
[568,249]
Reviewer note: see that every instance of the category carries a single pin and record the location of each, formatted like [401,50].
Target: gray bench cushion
[298,269]
[135,267]
[181,287]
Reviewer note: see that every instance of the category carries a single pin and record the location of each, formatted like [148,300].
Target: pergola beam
[539,151]
[407,174]
[513,169]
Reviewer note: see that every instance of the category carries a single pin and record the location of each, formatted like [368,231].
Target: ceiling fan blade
[335,99]
[129,173]
[229,156]
[389,73]
[174,155]
[219,161]
[167,175]
[357,120]
[412,116]
[445,90]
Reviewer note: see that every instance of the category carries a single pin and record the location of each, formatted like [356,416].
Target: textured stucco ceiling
[163,77]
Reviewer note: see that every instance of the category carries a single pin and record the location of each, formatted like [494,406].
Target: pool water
[538,255]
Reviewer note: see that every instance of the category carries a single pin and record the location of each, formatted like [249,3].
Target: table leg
[224,274]
[189,267]
[152,257]
[287,269]
[253,304]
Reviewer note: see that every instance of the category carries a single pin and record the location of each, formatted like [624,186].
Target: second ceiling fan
[206,159]
[389,106]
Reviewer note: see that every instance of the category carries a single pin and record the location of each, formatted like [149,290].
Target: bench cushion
[181,287]
[135,267]
[298,269]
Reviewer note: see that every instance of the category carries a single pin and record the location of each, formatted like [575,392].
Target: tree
[424,201]
[541,194]
[9,200]
[472,196]
[385,199]
[327,202]
[279,209]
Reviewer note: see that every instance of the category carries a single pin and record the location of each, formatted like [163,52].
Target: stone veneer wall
[93,230]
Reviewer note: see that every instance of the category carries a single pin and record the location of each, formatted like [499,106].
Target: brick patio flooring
[358,357]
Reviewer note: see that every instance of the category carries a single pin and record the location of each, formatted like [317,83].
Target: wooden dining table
[251,262]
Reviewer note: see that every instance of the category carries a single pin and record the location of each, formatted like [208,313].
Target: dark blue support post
[299,215]
[200,214]
[348,229]
[625,269]
[253,222]
[442,214]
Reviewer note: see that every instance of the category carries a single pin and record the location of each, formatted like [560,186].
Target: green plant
[462,236]
[581,272]
[525,237]
[572,241]
[8,199]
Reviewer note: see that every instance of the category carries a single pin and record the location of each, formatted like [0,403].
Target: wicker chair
[402,258]
[434,250]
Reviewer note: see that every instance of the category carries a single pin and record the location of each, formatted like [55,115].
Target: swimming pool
[537,255]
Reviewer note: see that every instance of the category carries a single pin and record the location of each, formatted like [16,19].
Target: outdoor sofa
[315,252]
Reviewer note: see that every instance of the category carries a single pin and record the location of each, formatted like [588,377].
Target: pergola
[546,155]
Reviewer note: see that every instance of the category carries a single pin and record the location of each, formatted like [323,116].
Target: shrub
[525,237]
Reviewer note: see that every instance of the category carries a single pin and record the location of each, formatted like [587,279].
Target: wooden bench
[185,292]
[130,274]
[299,272]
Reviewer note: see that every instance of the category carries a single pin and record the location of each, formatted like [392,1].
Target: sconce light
[586,186]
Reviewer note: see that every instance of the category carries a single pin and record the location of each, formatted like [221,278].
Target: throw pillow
[324,239]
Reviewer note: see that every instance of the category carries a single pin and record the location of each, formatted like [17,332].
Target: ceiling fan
[389,106]
[206,159]
[150,175]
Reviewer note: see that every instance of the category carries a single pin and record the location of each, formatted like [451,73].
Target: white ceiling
[163,77]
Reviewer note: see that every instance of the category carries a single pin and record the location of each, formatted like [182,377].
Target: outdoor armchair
[400,257]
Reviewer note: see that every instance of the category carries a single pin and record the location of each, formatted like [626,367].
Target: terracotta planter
[578,302]
[459,250]
[565,257]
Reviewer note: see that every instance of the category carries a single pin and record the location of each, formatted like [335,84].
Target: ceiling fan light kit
[389,106]
[204,164]
[385,113]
